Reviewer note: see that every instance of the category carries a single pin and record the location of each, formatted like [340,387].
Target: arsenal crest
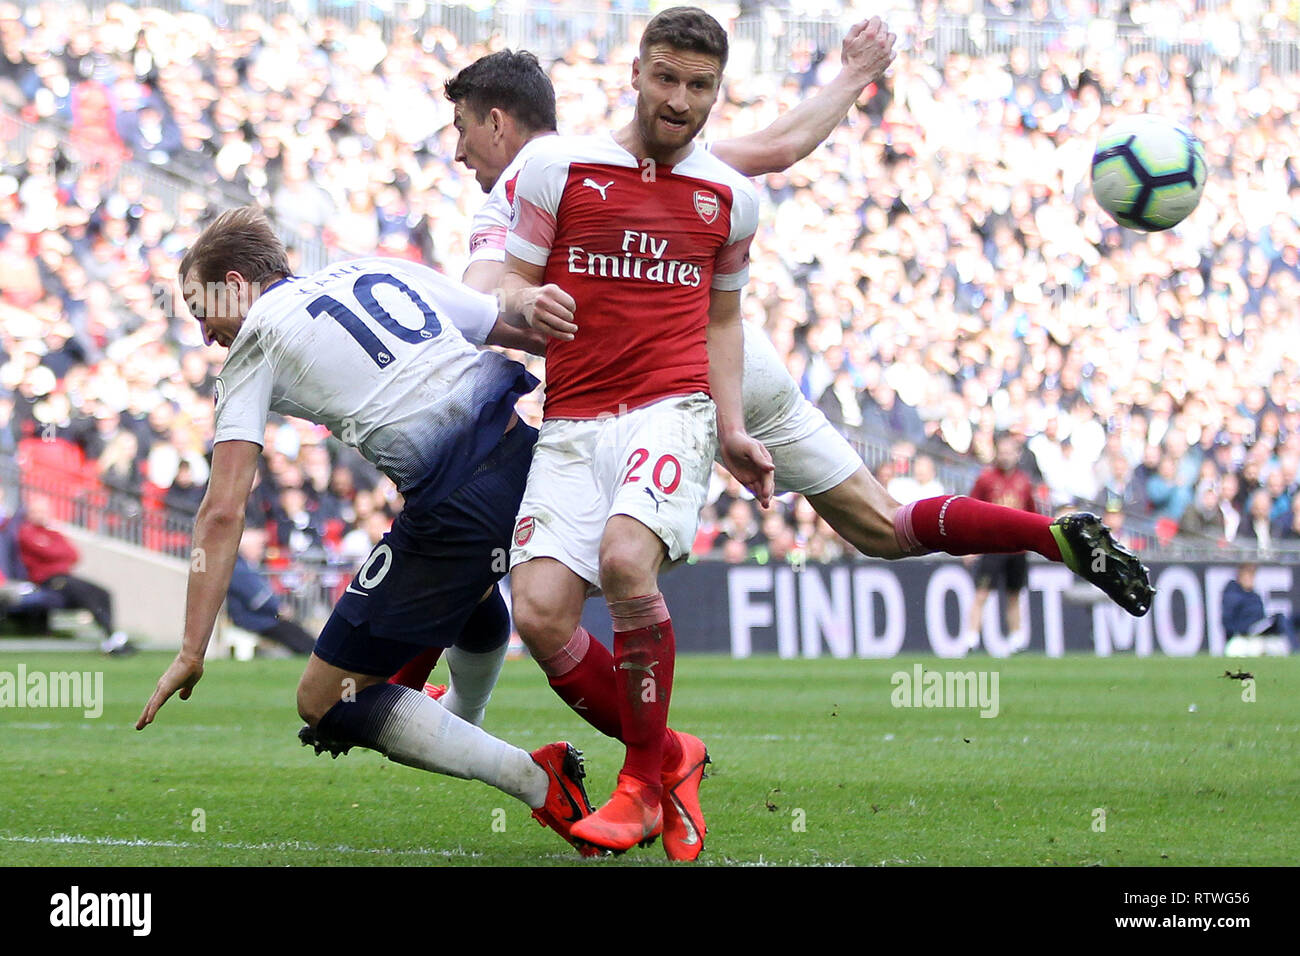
[706,204]
[523,531]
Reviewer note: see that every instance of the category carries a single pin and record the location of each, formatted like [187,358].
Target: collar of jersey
[277,282]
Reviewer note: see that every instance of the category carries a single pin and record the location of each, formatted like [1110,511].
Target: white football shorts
[810,455]
[652,464]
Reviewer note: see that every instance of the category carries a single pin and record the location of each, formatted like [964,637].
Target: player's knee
[312,705]
[542,623]
[623,573]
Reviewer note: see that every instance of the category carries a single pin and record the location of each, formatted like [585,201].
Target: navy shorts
[428,573]
[998,570]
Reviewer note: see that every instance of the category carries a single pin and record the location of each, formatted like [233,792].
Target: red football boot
[684,827]
[627,820]
[566,796]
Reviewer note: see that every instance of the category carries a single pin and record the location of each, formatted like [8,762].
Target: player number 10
[363,289]
[640,457]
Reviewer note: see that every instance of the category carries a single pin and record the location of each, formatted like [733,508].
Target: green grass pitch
[813,765]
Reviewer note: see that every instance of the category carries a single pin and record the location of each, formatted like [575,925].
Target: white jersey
[382,352]
[487,234]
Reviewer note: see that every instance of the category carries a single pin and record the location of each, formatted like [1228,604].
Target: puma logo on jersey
[655,498]
[597,186]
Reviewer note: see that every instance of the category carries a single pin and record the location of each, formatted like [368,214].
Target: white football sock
[420,732]
[473,677]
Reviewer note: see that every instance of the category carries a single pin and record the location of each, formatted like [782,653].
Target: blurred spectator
[1003,483]
[184,495]
[921,483]
[1204,518]
[1256,525]
[252,604]
[937,271]
[49,558]
[1243,610]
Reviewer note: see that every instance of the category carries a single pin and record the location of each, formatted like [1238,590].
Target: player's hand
[549,310]
[181,676]
[867,51]
[750,462]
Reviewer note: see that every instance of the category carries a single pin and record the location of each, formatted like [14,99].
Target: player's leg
[344,708]
[1017,577]
[475,658]
[351,705]
[415,672]
[546,599]
[474,661]
[661,476]
[644,650]
[554,560]
[960,525]
[972,636]
[859,508]
[813,459]
[419,587]
[348,707]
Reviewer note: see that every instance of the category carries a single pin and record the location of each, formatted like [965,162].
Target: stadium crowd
[935,275]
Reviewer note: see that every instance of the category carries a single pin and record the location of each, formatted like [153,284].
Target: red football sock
[415,672]
[644,652]
[582,674]
[960,525]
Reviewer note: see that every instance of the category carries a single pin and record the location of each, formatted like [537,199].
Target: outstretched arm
[217,529]
[866,53]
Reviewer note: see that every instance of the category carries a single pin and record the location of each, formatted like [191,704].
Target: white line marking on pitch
[75,839]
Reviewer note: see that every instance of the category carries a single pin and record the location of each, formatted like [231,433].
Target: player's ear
[636,73]
[497,121]
[240,292]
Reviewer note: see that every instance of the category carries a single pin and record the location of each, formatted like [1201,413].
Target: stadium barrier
[878,609]
[979,35]
[766,36]
[77,498]
[148,587]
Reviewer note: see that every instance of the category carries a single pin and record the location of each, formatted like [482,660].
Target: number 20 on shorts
[666,474]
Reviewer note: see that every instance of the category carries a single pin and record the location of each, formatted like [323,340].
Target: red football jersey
[1010,489]
[639,249]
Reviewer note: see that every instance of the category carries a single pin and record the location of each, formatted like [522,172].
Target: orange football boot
[625,821]
[566,796]
[684,827]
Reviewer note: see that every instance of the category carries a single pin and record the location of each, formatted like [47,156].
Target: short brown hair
[239,240]
[686,28]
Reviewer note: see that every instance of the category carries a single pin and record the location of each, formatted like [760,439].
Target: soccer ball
[1148,172]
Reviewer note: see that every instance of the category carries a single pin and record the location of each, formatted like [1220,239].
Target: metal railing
[981,35]
[308,591]
[550,29]
[82,502]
